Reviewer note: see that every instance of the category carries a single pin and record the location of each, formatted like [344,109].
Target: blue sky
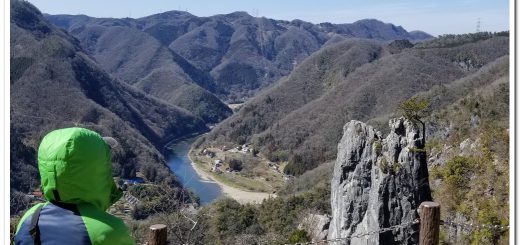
[433,16]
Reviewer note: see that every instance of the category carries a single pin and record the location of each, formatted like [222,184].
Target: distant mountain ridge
[230,55]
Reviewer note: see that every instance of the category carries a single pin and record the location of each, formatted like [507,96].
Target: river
[180,164]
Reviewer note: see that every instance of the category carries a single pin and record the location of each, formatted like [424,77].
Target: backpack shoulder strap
[34,230]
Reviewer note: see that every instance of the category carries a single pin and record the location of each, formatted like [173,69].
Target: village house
[244,148]
[210,154]
[288,177]
[216,165]
[215,169]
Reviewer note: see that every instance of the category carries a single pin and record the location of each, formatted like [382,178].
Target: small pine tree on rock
[414,109]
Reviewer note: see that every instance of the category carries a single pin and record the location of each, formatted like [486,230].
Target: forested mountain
[230,55]
[152,80]
[300,119]
[139,59]
[55,84]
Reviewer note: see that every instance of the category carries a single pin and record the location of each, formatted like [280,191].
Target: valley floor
[239,195]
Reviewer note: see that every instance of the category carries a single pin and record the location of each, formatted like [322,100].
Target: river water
[180,164]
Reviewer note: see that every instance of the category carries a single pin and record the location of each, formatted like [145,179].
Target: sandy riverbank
[240,195]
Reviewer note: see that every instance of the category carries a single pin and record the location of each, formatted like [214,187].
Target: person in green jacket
[76,177]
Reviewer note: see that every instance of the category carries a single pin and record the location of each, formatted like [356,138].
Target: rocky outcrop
[316,226]
[378,183]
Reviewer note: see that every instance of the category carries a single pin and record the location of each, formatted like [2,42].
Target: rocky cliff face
[378,183]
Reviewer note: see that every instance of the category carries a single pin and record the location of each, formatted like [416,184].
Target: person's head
[75,167]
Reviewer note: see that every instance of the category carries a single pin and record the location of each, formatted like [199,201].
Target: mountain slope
[469,140]
[54,84]
[237,54]
[300,119]
[138,58]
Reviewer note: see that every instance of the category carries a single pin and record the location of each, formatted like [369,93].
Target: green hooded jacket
[76,177]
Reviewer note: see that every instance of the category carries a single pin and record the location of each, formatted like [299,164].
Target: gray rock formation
[378,183]
[316,225]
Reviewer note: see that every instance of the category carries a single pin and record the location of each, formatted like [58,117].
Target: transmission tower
[478,25]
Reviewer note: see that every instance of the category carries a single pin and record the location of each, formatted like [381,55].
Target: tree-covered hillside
[231,55]
[55,84]
[300,119]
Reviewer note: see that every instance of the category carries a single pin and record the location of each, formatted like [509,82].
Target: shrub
[396,167]
[383,165]
[378,146]
[235,164]
[299,236]
[156,199]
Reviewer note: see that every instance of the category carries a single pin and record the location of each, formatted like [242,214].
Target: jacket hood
[76,167]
